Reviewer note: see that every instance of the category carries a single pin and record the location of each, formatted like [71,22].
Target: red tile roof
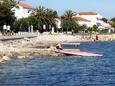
[25,6]
[81,19]
[87,13]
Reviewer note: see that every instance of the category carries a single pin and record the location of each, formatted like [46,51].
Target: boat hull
[77,52]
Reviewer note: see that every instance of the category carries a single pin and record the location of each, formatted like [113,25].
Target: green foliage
[83,28]
[69,23]
[10,3]
[33,21]
[45,17]
[21,25]
[113,24]
[104,20]
[90,29]
[113,19]
[16,26]
[6,15]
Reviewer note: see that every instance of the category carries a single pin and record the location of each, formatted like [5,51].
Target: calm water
[63,71]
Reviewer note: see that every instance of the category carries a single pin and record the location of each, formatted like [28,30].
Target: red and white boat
[76,52]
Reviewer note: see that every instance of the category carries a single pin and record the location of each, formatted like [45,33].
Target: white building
[58,22]
[22,10]
[91,18]
[81,21]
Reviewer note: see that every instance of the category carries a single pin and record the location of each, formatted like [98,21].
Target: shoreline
[26,48]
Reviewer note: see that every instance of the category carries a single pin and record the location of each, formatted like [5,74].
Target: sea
[63,70]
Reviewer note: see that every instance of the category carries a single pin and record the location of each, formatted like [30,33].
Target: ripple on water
[63,71]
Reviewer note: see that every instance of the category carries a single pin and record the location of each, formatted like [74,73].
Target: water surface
[63,71]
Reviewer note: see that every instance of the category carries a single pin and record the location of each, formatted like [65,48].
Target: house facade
[90,19]
[22,10]
[58,22]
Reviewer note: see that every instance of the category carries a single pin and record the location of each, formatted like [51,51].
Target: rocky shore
[28,47]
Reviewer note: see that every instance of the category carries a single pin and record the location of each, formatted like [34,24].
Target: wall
[21,12]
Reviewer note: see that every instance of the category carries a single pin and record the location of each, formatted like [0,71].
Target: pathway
[19,35]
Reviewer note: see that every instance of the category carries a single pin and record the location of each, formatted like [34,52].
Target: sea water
[64,70]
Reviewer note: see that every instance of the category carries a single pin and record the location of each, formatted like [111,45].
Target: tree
[21,25]
[6,15]
[95,28]
[40,15]
[11,3]
[33,21]
[113,24]
[104,20]
[45,17]
[113,19]
[82,28]
[50,18]
[68,22]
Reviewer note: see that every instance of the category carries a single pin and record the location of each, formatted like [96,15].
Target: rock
[6,58]
[21,57]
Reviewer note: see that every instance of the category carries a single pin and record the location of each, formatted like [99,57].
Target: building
[58,22]
[22,10]
[91,18]
[81,21]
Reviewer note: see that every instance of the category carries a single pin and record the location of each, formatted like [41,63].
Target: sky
[104,7]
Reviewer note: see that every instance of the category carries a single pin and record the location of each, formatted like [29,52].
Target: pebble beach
[25,47]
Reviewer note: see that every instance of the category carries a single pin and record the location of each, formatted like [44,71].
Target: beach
[27,47]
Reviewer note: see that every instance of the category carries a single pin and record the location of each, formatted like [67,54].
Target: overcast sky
[104,7]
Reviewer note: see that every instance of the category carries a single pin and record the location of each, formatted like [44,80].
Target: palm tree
[68,22]
[50,17]
[82,29]
[39,13]
[45,17]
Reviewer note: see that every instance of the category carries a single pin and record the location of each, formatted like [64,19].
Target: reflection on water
[63,71]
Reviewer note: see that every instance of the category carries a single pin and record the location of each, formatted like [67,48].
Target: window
[29,11]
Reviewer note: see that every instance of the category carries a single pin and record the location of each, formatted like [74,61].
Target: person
[97,38]
[4,27]
[8,28]
[31,26]
[58,46]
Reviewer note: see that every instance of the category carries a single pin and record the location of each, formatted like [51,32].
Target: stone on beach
[23,48]
[4,58]
[26,47]
[21,57]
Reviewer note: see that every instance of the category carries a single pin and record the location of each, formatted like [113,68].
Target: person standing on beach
[4,27]
[97,37]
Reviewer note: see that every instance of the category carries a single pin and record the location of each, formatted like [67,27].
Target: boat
[75,51]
